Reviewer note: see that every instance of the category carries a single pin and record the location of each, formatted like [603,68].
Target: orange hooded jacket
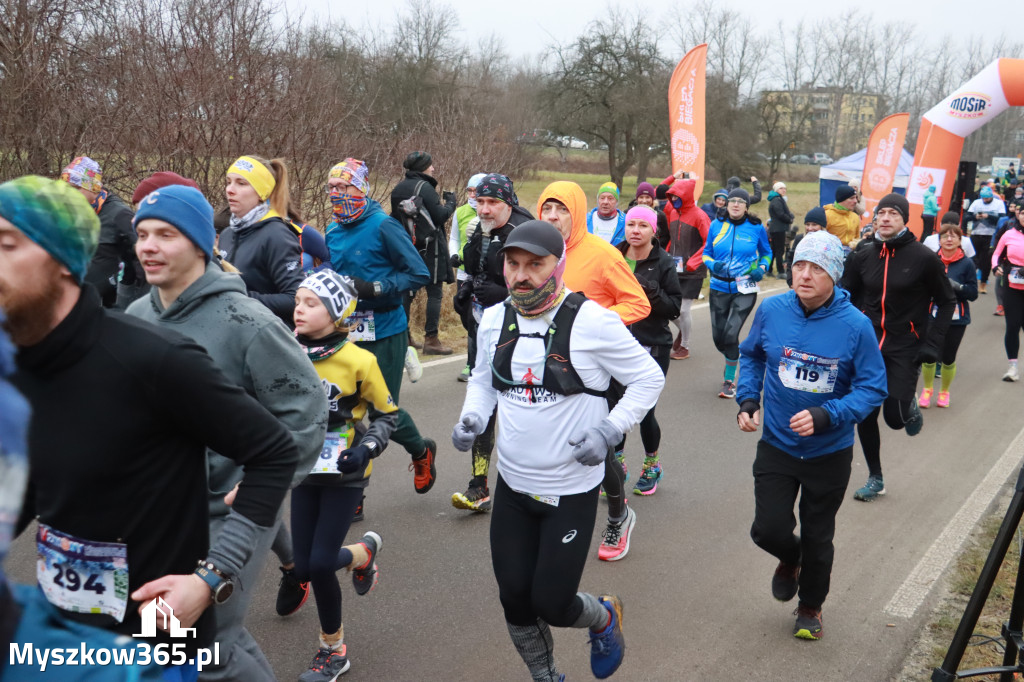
[592,265]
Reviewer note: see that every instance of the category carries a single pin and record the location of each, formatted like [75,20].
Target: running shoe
[365,579]
[327,666]
[915,422]
[1011,374]
[649,477]
[872,489]
[424,473]
[808,623]
[358,516]
[412,364]
[785,581]
[728,390]
[999,310]
[291,594]
[608,647]
[925,401]
[943,400]
[476,498]
[615,539]
[464,375]
[681,354]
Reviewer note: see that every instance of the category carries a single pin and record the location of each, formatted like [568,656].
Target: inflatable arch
[1000,85]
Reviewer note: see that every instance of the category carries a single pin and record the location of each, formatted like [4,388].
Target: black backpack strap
[559,374]
[501,366]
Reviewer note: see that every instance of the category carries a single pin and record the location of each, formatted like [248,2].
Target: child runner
[323,505]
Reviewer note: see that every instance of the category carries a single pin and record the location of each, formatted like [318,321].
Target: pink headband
[644,213]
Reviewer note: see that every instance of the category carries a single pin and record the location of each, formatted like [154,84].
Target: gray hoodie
[254,349]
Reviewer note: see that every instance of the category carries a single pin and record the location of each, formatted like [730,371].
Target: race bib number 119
[806,372]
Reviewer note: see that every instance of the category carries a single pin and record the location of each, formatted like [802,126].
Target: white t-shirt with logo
[605,227]
[534,426]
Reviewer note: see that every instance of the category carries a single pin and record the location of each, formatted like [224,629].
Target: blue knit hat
[185,208]
[824,249]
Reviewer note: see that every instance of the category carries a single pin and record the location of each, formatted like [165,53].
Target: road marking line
[919,583]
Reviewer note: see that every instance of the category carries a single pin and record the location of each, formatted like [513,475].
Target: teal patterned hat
[55,216]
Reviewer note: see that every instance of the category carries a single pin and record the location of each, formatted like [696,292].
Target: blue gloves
[720,268]
[591,446]
[353,459]
[757,274]
[466,431]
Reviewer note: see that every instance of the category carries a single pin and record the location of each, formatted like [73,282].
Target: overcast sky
[526,27]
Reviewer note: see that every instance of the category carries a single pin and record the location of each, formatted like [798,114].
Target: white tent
[851,168]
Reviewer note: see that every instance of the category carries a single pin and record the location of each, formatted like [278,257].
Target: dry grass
[986,646]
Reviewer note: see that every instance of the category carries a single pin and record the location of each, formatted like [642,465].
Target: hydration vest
[559,375]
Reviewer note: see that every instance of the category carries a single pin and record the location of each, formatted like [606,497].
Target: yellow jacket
[592,265]
[843,223]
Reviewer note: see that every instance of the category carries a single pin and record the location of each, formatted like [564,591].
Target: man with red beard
[122,416]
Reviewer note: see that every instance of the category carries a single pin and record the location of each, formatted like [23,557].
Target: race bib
[680,263]
[80,575]
[361,326]
[745,285]
[806,372]
[1016,277]
[956,311]
[334,443]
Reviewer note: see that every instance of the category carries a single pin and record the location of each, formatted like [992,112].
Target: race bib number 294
[81,575]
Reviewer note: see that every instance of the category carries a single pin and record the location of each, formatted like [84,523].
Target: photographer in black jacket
[425,217]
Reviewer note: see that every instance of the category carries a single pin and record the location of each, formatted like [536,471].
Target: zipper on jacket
[885,284]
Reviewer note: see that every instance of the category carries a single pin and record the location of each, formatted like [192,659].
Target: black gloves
[449,197]
[454,261]
[926,356]
[957,286]
[650,288]
[351,460]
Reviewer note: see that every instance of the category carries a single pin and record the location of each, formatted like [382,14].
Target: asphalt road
[695,587]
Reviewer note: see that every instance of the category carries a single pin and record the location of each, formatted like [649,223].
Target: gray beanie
[824,249]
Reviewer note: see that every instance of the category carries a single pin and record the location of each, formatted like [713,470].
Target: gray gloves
[591,446]
[466,431]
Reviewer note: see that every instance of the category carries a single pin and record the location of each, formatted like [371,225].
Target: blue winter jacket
[741,247]
[376,248]
[829,360]
[620,229]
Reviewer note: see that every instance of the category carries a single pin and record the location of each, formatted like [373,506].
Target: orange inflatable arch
[940,141]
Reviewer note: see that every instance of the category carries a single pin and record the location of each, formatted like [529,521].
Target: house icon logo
[159,609]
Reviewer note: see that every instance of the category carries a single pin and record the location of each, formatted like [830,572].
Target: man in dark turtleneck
[122,417]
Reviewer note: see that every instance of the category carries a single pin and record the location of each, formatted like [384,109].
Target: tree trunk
[643,160]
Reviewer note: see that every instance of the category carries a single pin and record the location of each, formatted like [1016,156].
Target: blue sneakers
[608,647]
[872,489]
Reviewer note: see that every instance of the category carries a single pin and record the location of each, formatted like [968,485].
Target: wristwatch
[371,446]
[378,289]
[220,585]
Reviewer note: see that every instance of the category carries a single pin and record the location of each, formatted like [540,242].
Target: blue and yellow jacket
[742,247]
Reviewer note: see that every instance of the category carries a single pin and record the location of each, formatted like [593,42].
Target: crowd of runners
[174,376]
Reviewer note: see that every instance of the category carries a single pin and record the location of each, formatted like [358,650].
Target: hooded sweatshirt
[688,230]
[592,265]
[254,350]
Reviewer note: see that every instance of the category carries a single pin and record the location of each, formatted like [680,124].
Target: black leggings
[728,313]
[650,430]
[321,517]
[951,343]
[895,413]
[928,225]
[1013,306]
[778,241]
[538,552]
[982,254]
